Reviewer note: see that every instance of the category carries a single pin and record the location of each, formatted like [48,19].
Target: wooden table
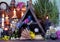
[31,41]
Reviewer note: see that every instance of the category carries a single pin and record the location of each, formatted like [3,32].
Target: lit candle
[7,17]
[2,20]
[14,12]
[24,9]
[7,20]
[3,15]
[22,14]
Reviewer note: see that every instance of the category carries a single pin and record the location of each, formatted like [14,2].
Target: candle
[7,20]
[3,15]
[7,17]
[2,20]
[22,14]
[14,12]
[24,9]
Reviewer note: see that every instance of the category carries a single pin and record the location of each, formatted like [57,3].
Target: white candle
[3,15]
[2,20]
[7,17]
[7,20]
[14,12]
[22,14]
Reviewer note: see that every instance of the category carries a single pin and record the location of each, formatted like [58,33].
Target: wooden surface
[31,41]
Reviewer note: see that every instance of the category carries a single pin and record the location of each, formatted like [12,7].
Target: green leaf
[44,7]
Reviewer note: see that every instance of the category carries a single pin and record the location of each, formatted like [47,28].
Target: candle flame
[2,15]
[6,29]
